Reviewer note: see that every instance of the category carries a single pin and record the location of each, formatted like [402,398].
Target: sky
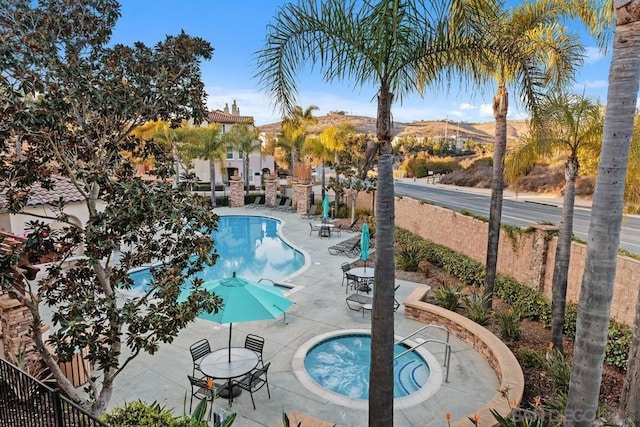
[237,30]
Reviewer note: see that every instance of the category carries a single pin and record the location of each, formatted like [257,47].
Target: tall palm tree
[294,131]
[371,43]
[568,124]
[527,51]
[596,291]
[244,138]
[205,143]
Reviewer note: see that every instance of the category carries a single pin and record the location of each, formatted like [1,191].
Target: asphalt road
[521,211]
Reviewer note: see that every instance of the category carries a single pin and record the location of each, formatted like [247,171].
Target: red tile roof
[62,187]
[219,116]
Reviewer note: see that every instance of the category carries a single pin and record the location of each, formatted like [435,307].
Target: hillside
[481,132]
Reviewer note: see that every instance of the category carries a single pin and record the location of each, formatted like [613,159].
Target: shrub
[558,367]
[448,296]
[618,344]
[508,322]
[408,257]
[531,358]
[522,298]
[475,305]
[141,414]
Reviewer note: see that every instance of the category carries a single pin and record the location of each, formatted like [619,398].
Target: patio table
[364,275]
[325,229]
[217,365]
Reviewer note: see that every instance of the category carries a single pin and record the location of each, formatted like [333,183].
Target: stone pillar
[302,197]
[270,190]
[16,322]
[538,270]
[236,199]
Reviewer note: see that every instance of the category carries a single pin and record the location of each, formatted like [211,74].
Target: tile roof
[219,116]
[62,187]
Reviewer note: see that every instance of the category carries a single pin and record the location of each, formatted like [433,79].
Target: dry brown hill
[481,132]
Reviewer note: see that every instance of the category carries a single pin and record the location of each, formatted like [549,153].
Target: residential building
[233,164]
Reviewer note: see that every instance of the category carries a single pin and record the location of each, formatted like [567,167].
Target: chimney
[234,108]
[226,108]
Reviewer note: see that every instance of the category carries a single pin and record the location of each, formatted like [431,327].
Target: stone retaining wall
[500,358]
[528,257]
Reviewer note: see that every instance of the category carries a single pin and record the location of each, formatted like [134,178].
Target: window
[229,153]
[240,155]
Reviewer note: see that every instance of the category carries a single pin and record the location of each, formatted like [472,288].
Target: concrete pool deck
[319,308]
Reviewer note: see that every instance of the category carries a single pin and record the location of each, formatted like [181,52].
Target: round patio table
[218,366]
[364,274]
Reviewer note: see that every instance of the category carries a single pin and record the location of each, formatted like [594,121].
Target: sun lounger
[351,249]
[285,206]
[255,204]
[358,302]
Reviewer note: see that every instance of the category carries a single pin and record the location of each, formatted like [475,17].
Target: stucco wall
[525,258]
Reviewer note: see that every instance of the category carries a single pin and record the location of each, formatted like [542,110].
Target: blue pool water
[247,245]
[341,364]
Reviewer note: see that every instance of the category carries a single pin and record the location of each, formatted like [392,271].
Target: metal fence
[25,401]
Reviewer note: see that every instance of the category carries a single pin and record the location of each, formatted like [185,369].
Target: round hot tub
[336,366]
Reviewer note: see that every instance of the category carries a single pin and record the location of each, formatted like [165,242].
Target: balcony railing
[25,401]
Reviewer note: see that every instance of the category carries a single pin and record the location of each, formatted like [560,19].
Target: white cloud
[467,106]
[486,110]
[593,84]
[592,55]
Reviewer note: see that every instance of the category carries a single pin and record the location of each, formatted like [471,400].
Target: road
[522,211]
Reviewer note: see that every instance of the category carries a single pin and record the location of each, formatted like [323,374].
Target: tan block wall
[524,259]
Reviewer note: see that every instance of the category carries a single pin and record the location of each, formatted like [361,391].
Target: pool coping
[500,358]
[429,389]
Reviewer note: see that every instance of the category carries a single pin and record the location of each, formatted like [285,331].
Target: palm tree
[526,50]
[205,143]
[244,138]
[376,44]
[162,132]
[572,124]
[606,218]
[327,145]
[294,131]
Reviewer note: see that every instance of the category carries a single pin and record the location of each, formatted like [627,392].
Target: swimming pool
[248,245]
[341,364]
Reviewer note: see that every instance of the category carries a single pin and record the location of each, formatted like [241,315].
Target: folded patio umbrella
[325,207]
[364,244]
[245,301]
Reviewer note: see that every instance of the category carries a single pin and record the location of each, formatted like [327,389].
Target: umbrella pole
[230,328]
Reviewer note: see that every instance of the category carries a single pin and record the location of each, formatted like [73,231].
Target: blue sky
[237,29]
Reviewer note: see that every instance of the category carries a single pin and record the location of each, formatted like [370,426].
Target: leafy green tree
[204,143]
[527,49]
[379,43]
[567,124]
[596,291]
[244,138]
[72,102]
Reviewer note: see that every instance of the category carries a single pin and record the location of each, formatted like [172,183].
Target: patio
[319,308]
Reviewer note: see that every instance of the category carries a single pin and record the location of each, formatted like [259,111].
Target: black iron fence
[26,402]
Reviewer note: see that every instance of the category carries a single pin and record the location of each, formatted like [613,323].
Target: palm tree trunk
[323,181]
[630,398]
[563,254]
[382,322]
[500,108]
[246,172]
[606,218]
[212,175]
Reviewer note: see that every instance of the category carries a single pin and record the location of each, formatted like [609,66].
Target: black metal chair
[353,282]
[345,266]
[254,381]
[198,351]
[202,389]
[255,343]
[313,228]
